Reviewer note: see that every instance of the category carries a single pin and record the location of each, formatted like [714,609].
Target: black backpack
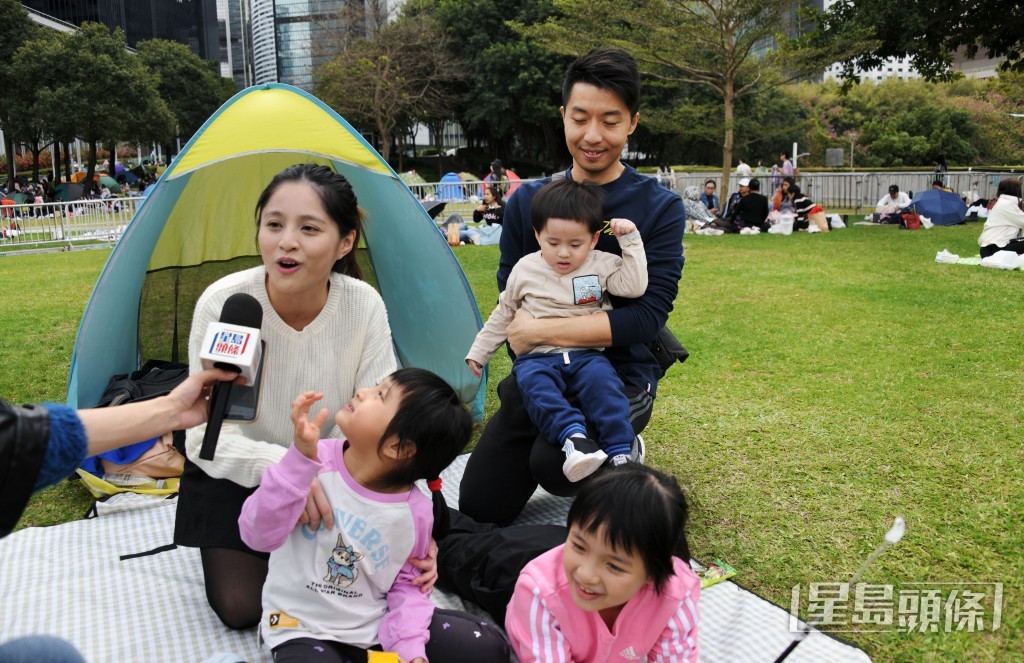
[155,378]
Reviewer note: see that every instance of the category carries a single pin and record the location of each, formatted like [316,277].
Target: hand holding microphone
[232,344]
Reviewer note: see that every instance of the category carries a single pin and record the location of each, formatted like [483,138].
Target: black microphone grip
[218,406]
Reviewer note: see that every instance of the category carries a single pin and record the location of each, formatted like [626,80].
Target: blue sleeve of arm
[642,318]
[515,220]
[66,448]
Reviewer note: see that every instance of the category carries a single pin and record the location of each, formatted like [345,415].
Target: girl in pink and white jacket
[331,596]
[619,588]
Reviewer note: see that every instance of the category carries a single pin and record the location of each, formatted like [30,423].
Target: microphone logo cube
[232,347]
[229,344]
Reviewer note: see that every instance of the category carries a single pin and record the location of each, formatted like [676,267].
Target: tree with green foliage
[511,101]
[930,33]
[15,29]
[725,46]
[190,86]
[906,123]
[379,80]
[107,91]
[36,67]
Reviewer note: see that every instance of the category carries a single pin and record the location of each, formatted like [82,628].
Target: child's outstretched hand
[307,433]
[475,367]
[622,227]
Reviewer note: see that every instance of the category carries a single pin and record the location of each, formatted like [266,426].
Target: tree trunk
[68,160]
[552,139]
[9,151]
[35,162]
[729,104]
[90,170]
[113,159]
[55,164]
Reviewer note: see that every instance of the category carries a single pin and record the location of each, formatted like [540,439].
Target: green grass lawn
[835,381]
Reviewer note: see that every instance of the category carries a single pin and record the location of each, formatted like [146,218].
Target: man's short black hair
[568,199]
[610,69]
[893,188]
[755,184]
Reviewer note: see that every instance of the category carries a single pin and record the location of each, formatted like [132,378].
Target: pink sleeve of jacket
[271,513]
[534,632]
[678,642]
[405,628]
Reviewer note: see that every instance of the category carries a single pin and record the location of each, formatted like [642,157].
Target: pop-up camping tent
[198,224]
[451,189]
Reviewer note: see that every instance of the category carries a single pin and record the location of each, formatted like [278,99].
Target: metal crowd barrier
[62,226]
[858,190]
[459,198]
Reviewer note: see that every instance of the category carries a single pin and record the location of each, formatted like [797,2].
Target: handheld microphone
[232,344]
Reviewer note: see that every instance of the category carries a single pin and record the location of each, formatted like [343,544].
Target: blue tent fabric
[451,189]
[200,211]
[944,208]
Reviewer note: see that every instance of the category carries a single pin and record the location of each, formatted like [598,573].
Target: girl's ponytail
[442,520]
[432,420]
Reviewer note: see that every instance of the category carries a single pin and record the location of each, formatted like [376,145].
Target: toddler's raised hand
[307,433]
[622,227]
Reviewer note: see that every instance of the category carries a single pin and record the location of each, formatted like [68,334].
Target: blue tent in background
[451,189]
[196,224]
[944,208]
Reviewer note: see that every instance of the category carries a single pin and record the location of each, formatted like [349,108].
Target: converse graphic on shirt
[629,654]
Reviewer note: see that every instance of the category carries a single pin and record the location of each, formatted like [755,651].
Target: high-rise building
[291,38]
[264,46]
[190,22]
[235,41]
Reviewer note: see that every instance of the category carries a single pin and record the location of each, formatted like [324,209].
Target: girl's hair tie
[434,485]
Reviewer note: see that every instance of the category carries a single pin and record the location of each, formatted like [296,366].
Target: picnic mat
[117,588]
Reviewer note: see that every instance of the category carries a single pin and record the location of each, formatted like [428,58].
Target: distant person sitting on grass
[752,210]
[697,215]
[891,205]
[802,205]
[568,278]
[1004,228]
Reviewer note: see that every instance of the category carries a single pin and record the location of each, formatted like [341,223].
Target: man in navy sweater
[601,101]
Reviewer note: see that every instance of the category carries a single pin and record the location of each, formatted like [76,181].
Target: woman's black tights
[234,585]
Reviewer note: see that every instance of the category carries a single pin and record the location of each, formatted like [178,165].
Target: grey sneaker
[638,450]
[579,465]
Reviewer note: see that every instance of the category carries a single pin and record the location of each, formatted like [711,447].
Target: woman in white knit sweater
[1004,228]
[326,331]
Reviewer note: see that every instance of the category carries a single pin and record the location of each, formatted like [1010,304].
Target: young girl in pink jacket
[621,587]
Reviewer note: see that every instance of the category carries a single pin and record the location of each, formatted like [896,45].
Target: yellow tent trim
[314,157]
[270,120]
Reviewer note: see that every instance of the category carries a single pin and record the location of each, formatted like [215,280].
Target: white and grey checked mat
[72,581]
